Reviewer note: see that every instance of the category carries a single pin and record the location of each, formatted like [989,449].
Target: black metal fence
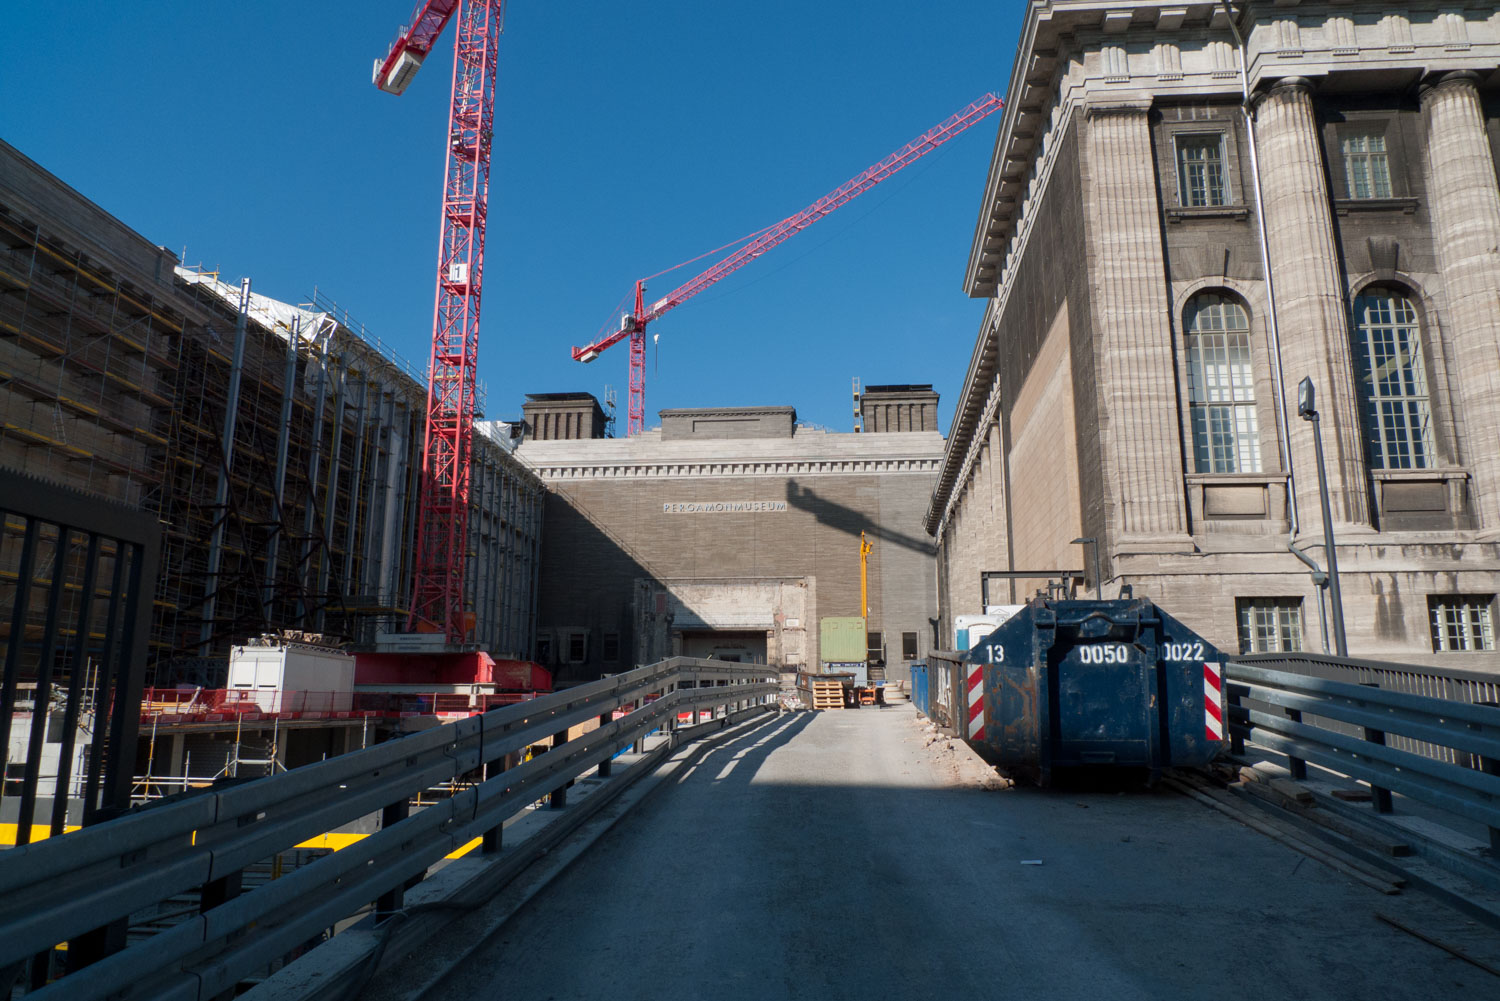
[77,577]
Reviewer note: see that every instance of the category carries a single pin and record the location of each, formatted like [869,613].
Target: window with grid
[610,652]
[1461,622]
[1221,386]
[1270,625]
[1367,165]
[1392,381]
[1200,170]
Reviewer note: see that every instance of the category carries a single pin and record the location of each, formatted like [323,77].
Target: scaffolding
[277,444]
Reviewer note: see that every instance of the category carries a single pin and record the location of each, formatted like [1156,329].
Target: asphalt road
[841,855]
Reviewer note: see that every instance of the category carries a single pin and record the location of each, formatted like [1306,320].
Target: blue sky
[629,138]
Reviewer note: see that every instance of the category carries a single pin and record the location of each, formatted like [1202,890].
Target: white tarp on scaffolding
[500,432]
[313,328]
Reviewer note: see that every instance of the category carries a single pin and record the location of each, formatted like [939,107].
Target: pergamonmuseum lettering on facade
[723,507]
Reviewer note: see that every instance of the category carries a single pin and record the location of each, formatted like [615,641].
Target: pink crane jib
[633,324]
[438,596]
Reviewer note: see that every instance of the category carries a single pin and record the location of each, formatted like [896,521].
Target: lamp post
[1098,581]
[1308,411]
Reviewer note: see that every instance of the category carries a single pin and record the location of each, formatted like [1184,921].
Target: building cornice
[553,473]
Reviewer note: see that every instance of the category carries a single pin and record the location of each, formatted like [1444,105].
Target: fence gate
[77,577]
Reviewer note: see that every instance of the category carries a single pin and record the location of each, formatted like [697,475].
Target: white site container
[293,678]
[970,629]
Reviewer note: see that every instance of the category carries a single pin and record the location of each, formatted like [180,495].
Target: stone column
[1310,302]
[1137,383]
[996,549]
[1465,202]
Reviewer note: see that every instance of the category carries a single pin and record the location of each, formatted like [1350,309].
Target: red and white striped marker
[976,702]
[1213,701]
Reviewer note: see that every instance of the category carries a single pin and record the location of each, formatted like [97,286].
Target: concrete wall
[641,529]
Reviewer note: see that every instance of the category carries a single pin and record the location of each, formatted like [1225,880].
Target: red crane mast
[633,324]
[438,596]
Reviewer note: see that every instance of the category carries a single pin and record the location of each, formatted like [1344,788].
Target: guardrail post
[220,891]
[1490,766]
[559,796]
[606,767]
[1237,717]
[1296,766]
[492,840]
[1382,797]
[392,900]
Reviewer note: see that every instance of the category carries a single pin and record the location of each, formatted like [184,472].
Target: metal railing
[1451,684]
[68,888]
[1351,729]
[169,706]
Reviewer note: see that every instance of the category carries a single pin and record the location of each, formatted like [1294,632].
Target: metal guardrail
[1452,684]
[67,887]
[1348,728]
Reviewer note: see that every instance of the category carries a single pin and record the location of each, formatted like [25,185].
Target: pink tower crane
[633,324]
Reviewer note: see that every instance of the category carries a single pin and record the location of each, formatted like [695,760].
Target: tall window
[1392,380]
[1270,625]
[1461,622]
[1367,166]
[1200,170]
[1221,389]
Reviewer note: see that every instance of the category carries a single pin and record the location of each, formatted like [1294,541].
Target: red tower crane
[438,598]
[633,324]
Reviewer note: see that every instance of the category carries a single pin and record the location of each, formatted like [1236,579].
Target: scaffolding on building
[278,445]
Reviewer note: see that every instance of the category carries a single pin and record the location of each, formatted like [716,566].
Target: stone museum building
[1189,209]
[732,532]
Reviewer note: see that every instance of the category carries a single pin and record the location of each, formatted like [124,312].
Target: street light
[1308,411]
[1098,581]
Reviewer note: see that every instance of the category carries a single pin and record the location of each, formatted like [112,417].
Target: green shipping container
[841,640]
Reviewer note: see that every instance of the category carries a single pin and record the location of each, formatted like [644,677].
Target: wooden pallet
[826,694]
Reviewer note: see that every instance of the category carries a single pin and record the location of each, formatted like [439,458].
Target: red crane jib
[634,326]
[418,36]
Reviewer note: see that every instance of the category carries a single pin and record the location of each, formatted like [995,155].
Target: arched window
[1221,387]
[1392,380]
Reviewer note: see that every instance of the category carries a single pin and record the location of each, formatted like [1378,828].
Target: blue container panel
[919,688]
[1101,704]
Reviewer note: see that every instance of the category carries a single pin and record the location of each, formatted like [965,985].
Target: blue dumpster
[1073,684]
[919,688]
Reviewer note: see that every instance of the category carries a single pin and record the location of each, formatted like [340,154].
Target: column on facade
[983,480]
[996,548]
[1137,383]
[1310,300]
[1465,205]
[963,555]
